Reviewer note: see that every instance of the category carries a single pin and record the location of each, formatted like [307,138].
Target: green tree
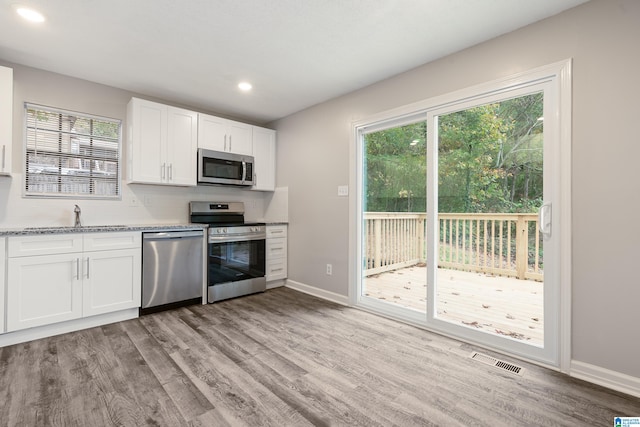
[489,160]
[395,162]
[468,141]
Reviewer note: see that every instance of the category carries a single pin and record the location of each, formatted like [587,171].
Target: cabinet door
[6,119]
[264,153]
[3,263]
[212,133]
[147,138]
[43,290]
[111,281]
[182,146]
[240,138]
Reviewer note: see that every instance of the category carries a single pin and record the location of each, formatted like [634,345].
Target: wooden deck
[497,305]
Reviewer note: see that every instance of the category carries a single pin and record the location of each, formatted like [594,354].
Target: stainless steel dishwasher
[173,271]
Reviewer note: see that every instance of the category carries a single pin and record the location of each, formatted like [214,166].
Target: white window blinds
[71,154]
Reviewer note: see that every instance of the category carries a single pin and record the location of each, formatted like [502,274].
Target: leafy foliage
[396,169]
[489,160]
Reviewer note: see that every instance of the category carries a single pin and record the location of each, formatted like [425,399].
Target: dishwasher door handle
[172,235]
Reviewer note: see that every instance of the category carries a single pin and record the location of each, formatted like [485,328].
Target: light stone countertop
[31,231]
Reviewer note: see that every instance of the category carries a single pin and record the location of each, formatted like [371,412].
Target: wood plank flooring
[281,358]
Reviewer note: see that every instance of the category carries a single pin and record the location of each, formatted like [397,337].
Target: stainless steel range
[236,250]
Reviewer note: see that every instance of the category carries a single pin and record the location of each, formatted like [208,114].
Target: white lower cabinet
[276,252]
[3,261]
[45,289]
[111,281]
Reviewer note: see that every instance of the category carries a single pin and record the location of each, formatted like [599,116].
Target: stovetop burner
[221,215]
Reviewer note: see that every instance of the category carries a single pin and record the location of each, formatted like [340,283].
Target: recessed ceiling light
[29,14]
[245,86]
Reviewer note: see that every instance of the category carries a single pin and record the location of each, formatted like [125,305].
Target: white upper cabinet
[218,134]
[162,144]
[182,146]
[6,119]
[264,153]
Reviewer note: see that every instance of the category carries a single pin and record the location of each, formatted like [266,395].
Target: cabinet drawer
[112,240]
[276,248]
[275,231]
[276,269]
[44,245]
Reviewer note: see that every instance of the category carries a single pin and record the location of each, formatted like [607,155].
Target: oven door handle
[237,238]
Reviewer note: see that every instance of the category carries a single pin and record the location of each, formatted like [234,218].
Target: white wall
[602,38]
[154,204]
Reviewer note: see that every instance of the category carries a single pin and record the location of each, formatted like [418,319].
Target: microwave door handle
[244,171]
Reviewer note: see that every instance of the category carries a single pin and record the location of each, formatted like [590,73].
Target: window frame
[117,195]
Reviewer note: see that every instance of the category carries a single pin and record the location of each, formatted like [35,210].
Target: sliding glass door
[456,206]
[487,277]
[393,212]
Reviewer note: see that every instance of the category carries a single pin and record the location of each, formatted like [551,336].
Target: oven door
[236,268]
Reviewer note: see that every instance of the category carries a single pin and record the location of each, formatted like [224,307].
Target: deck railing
[501,244]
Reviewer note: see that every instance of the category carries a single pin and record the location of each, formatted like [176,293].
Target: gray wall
[602,38]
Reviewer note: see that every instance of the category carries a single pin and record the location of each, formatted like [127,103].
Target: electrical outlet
[329,269]
[343,190]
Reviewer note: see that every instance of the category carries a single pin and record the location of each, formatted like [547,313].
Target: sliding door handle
[544,219]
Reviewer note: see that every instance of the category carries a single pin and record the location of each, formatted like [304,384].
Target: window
[71,154]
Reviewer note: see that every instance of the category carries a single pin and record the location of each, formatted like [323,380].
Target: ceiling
[296,53]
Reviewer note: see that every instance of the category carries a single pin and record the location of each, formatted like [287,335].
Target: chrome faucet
[77,211]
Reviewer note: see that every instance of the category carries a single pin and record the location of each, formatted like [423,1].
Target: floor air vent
[500,364]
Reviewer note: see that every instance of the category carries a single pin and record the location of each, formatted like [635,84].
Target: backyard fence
[500,244]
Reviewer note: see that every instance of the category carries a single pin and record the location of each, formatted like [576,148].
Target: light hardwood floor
[281,358]
[497,305]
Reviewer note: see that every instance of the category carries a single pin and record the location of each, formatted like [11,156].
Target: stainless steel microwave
[217,167]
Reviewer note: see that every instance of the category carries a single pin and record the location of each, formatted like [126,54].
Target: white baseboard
[317,292]
[11,338]
[606,378]
[276,284]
